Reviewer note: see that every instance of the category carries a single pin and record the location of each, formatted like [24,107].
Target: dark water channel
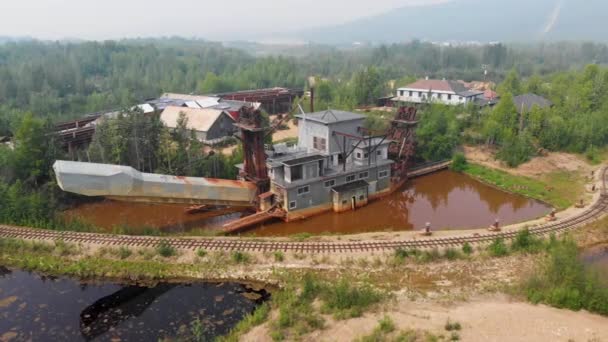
[38,308]
[597,258]
[447,199]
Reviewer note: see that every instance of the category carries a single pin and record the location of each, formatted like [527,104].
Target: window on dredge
[303,190]
[292,205]
[319,144]
[330,183]
[351,178]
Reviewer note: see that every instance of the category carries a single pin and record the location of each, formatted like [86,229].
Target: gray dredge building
[332,167]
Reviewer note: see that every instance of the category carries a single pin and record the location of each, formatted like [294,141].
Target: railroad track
[596,211]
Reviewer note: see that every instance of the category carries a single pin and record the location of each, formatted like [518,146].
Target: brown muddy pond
[447,199]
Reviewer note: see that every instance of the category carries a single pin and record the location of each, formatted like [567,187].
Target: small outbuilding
[211,126]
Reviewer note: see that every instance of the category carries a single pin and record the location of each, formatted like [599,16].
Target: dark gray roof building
[525,102]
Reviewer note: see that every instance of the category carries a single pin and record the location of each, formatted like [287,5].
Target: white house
[440,91]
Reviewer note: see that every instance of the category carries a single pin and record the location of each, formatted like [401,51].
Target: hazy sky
[217,19]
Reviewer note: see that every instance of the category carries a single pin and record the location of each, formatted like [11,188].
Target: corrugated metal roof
[146,108]
[437,85]
[184,97]
[331,116]
[192,104]
[199,119]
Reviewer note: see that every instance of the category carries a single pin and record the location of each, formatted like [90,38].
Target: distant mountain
[476,20]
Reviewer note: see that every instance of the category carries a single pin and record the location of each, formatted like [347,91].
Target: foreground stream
[39,308]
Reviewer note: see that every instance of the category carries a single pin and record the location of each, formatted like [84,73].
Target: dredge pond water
[447,199]
[39,308]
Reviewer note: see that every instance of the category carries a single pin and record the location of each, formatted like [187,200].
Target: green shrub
[449,326]
[526,242]
[565,282]
[451,254]
[428,256]
[201,253]
[240,257]
[124,252]
[467,249]
[279,256]
[498,248]
[346,300]
[459,162]
[401,254]
[165,249]
[386,325]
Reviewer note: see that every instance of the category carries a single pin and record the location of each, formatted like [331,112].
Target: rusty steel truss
[402,134]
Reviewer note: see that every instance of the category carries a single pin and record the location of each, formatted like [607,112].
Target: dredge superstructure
[336,165]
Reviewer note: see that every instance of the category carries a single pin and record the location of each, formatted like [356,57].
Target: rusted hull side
[125,183]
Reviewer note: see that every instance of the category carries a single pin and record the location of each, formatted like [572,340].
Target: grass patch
[301,236]
[50,259]
[527,243]
[564,281]
[240,257]
[279,256]
[560,189]
[165,249]
[259,316]
[345,300]
[452,326]
[467,249]
[201,253]
[498,248]
[124,252]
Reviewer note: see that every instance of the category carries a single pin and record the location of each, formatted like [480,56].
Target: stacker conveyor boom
[127,184]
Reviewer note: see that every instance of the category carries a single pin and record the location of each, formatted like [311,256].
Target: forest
[42,83]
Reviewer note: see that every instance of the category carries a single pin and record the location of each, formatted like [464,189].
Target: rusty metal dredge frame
[596,211]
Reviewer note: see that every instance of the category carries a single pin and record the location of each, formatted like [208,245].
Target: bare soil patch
[535,168]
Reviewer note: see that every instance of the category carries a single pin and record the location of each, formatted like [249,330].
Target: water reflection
[112,310]
[446,199]
[58,309]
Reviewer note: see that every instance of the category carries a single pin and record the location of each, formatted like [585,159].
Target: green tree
[511,84]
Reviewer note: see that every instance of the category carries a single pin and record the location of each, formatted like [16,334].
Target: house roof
[438,85]
[331,116]
[198,119]
[469,93]
[525,102]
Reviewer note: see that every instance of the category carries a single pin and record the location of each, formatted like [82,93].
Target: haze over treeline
[330,21]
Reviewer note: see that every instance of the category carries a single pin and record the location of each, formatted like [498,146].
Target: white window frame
[306,190]
[358,155]
[379,153]
[293,205]
[354,178]
[364,175]
[383,174]
[331,183]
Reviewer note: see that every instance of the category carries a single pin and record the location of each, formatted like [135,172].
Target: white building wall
[436,96]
